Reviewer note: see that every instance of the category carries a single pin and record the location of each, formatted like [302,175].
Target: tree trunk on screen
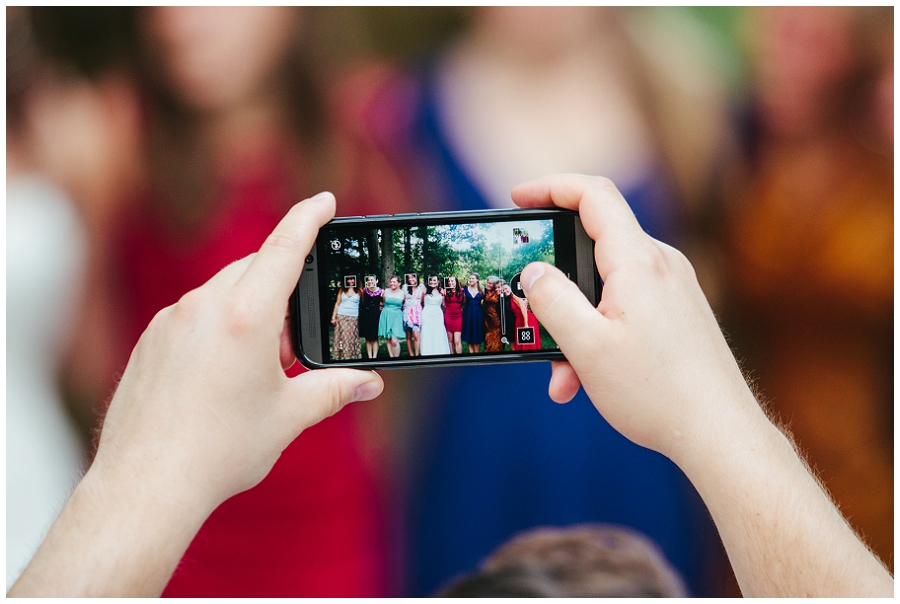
[387,256]
[407,252]
[373,266]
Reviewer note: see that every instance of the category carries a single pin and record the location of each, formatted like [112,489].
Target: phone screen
[435,289]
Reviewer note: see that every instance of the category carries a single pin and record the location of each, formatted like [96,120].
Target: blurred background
[149,147]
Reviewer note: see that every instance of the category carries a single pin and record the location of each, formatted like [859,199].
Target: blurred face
[395,282]
[351,282]
[434,282]
[803,58]
[491,286]
[451,281]
[473,280]
[217,57]
[412,279]
[538,31]
[371,282]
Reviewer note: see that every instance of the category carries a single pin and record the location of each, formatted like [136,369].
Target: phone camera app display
[437,290]
[525,336]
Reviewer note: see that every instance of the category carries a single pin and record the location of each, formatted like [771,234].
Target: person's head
[434,283]
[412,279]
[491,283]
[349,283]
[474,280]
[372,282]
[394,282]
[540,32]
[227,88]
[808,63]
[217,58]
[590,560]
[453,287]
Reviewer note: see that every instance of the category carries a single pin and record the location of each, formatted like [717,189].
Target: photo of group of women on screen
[431,318]
[439,313]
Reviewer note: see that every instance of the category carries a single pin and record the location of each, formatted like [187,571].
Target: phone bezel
[309,347]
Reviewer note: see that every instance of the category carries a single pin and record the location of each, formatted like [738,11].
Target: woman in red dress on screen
[453,303]
[524,318]
[234,139]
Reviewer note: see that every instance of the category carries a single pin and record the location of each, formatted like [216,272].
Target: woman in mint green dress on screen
[390,325]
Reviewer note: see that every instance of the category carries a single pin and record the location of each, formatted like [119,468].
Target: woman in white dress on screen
[433,337]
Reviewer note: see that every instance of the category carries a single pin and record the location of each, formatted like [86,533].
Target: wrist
[739,441]
[156,482]
[129,532]
[733,426]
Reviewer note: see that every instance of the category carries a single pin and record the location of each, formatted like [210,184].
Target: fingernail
[532,273]
[322,196]
[366,392]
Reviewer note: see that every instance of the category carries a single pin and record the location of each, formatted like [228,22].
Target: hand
[651,356]
[204,404]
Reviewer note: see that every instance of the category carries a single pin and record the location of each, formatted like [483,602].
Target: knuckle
[603,183]
[335,396]
[544,290]
[284,239]
[239,317]
[188,305]
[680,263]
[159,320]
[652,257]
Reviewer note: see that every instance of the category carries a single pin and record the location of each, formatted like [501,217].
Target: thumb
[315,395]
[561,307]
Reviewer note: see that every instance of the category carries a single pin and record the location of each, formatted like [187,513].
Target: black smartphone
[410,290]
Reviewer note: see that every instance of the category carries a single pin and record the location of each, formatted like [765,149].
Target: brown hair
[590,560]
[181,161]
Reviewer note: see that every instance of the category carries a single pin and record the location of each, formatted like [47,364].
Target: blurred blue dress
[492,454]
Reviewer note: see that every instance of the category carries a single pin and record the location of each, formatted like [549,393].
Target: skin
[171,450]
[372,347]
[653,361]
[522,303]
[393,344]
[412,337]
[351,289]
[473,290]
[435,284]
[454,338]
[204,409]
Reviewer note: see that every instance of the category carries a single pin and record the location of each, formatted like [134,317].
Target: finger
[605,215]
[561,307]
[285,349]
[564,382]
[276,268]
[318,394]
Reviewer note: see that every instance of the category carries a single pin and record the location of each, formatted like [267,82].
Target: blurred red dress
[314,527]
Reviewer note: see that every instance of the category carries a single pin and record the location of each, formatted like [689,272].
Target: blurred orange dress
[811,264]
[313,527]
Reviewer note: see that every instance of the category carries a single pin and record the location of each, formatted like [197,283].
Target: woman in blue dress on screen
[473,315]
